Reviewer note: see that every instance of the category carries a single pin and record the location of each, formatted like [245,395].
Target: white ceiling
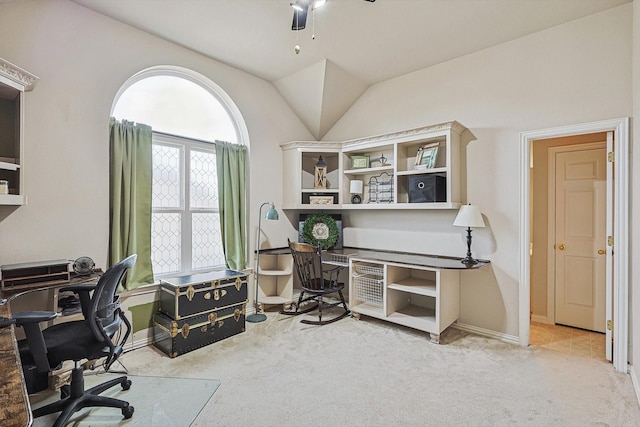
[368,42]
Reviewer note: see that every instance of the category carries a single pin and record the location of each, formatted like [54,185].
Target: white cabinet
[420,297]
[14,82]
[386,165]
[299,159]
[275,277]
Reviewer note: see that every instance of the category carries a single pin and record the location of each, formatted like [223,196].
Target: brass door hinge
[609,240]
[610,156]
[610,325]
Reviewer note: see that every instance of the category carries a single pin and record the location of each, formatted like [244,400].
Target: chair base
[320,305]
[75,398]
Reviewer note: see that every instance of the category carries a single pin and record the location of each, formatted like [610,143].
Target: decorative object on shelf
[381,161]
[4,186]
[320,229]
[84,266]
[320,200]
[381,188]
[320,174]
[359,162]
[427,188]
[356,187]
[469,216]
[426,157]
[271,215]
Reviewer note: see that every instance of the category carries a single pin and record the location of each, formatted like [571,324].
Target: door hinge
[610,325]
[609,240]
[610,156]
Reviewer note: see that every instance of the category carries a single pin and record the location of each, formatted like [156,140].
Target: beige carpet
[370,373]
[157,401]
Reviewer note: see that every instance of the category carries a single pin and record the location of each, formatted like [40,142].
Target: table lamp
[272,214]
[355,188]
[469,216]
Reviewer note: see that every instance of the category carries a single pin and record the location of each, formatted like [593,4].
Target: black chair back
[307,260]
[104,315]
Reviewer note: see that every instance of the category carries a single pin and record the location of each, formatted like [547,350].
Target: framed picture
[427,155]
[359,162]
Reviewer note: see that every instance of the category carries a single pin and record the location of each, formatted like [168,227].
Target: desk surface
[433,261]
[14,400]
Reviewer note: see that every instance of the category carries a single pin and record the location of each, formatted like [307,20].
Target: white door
[580,238]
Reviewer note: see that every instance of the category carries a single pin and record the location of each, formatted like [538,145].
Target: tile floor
[568,340]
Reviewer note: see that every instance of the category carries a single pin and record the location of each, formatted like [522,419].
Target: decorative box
[198,293]
[176,337]
[321,200]
[427,188]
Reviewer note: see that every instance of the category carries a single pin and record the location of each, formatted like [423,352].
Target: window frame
[186,145]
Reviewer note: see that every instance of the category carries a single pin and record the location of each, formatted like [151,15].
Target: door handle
[561,246]
[601,252]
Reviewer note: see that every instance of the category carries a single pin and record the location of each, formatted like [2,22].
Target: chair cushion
[67,341]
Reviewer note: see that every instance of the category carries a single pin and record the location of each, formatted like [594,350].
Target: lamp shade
[356,186]
[272,213]
[469,216]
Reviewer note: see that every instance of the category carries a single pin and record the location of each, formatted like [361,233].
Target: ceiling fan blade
[300,17]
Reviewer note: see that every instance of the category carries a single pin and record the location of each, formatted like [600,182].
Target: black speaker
[427,188]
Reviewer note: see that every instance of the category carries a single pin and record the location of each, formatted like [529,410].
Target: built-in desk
[418,291]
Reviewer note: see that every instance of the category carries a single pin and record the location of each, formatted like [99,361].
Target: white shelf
[422,171]
[415,285]
[399,148]
[12,199]
[274,299]
[9,166]
[275,278]
[414,316]
[368,310]
[320,190]
[268,272]
[365,171]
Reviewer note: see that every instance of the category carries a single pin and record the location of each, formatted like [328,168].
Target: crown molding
[21,79]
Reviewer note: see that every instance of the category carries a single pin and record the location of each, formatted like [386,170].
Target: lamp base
[256,318]
[469,260]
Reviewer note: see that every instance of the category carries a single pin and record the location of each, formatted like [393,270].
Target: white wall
[82,59]
[574,73]
[634,277]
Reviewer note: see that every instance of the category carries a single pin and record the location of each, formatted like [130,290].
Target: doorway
[619,265]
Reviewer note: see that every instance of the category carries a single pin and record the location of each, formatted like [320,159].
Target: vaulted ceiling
[357,43]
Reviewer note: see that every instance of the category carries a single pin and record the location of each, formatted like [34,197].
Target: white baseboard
[538,318]
[634,381]
[511,339]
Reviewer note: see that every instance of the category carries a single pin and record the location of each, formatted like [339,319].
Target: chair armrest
[84,292]
[33,317]
[77,288]
[30,323]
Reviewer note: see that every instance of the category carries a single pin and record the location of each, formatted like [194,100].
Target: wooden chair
[315,282]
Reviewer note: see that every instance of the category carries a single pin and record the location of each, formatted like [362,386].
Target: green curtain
[231,165]
[130,179]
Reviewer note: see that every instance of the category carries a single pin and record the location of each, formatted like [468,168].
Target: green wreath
[315,223]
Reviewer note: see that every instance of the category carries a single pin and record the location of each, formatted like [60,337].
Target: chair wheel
[65,391]
[127,412]
[126,384]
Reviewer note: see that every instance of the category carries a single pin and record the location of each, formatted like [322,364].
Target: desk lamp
[469,216]
[272,214]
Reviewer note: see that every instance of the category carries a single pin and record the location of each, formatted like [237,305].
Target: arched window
[187,113]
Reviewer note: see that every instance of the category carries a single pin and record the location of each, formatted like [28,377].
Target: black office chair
[315,282]
[91,338]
